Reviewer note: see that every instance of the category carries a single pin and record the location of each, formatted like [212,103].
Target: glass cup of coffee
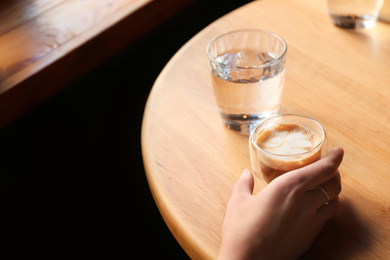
[247,71]
[283,143]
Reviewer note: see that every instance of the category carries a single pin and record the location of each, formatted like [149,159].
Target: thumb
[245,184]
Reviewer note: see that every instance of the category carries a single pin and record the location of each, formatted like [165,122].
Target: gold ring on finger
[326,194]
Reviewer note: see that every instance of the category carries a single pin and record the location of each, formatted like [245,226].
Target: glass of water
[354,13]
[247,71]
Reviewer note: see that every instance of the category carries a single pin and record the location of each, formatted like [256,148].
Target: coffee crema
[287,139]
[288,147]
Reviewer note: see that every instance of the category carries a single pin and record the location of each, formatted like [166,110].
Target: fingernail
[246,173]
[339,149]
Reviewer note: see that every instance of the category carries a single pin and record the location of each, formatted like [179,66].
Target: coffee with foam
[285,146]
[287,139]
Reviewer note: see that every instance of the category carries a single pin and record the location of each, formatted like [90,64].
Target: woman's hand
[283,219]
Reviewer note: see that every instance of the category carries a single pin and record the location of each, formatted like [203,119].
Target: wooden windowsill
[46,44]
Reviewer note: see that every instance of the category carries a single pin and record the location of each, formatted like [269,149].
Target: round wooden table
[339,77]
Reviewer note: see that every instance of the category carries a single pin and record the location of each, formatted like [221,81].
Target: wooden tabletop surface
[339,77]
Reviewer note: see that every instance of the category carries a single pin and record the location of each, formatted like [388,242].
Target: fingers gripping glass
[284,143]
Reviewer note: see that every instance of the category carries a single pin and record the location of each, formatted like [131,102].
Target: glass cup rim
[267,64]
[254,143]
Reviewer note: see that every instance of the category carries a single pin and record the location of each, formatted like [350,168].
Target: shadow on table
[345,236]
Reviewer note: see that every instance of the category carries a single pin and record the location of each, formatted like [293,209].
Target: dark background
[71,172]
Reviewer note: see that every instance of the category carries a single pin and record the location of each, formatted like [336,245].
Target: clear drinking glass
[248,71]
[354,13]
[283,143]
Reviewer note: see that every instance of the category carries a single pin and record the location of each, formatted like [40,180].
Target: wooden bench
[47,44]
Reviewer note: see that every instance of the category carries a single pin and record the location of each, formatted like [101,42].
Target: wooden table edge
[163,203]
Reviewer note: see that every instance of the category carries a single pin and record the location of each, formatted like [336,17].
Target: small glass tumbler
[283,143]
[354,13]
[247,71]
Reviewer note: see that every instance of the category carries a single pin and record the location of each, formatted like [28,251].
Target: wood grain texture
[45,45]
[42,27]
[339,77]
